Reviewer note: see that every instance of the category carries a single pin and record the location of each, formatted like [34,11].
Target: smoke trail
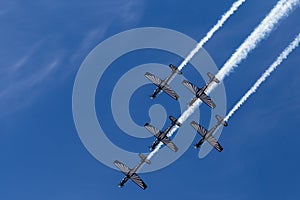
[216,27]
[209,35]
[267,73]
[282,9]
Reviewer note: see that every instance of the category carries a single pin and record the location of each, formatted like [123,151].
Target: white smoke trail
[265,75]
[208,36]
[280,10]
[216,27]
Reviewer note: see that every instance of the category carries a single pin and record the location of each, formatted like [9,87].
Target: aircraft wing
[194,89]
[215,143]
[154,131]
[122,167]
[206,99]
[167,89]
[200,129]
[137,180]
[170,144]
[157,81]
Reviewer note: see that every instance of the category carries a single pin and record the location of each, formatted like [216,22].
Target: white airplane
[208,135]
[131,173]
[162,85]
[200,92]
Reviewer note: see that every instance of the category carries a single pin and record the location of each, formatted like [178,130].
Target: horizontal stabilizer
[175,121]
[212,77]
[221,120]
[175,69]
[144,158]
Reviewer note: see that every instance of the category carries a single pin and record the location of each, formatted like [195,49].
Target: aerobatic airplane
[200,92]
[162,85]
[131,173]
[162,136]
[208,135]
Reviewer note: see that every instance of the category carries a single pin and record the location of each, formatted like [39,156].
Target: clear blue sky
[43,44]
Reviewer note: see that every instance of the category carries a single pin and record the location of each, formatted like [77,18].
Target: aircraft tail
[175,121]
[144,158]
[212,77]
[175,69]
[221,120]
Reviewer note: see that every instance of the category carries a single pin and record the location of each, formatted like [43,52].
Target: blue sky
[42,47]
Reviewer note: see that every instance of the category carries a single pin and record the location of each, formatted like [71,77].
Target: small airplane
[162,85]
[200,92]
[131,173]
[208,135]
[162,136]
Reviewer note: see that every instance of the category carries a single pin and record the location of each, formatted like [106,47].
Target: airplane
[200,92]
[162,136]
[131,173]
[207,135]
[162,85]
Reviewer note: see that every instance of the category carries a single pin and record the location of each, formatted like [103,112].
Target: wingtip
[145,187]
